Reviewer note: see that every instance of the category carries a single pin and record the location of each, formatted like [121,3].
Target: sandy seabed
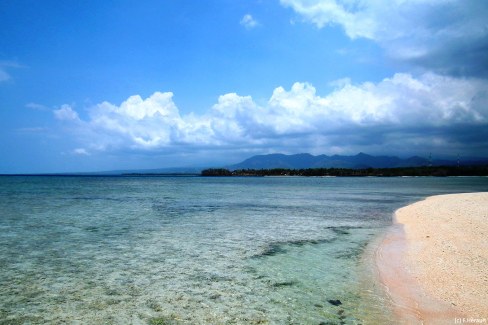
[433,262]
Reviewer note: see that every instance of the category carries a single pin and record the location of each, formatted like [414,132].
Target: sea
[199,250]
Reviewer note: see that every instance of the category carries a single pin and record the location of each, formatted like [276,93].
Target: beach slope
[433,263]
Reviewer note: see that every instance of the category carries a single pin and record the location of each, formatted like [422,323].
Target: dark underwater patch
[280,247]
[284,284]
[352,253]
[334,302]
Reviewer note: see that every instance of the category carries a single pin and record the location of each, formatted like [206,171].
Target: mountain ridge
[359,161]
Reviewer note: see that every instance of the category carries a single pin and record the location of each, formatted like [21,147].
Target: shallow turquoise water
[192,250]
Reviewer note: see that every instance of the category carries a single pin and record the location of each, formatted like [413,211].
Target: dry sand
[433,263]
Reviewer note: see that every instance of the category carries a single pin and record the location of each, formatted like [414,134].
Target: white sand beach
[433,263]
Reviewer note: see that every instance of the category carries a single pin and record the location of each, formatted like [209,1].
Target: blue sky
[101,85]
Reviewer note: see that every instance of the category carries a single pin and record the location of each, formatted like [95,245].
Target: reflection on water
[197,250]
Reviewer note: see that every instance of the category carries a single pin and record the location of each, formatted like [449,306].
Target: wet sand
[433,262]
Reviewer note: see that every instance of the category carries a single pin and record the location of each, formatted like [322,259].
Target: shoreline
[431,263]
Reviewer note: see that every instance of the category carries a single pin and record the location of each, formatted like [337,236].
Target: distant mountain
[158,171]
[359,161]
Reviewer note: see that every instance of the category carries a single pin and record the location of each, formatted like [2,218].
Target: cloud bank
[395,114]
[449,37]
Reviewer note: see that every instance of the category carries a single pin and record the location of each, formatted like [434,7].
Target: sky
[110,85]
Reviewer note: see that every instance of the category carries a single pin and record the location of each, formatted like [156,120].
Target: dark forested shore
[441,171]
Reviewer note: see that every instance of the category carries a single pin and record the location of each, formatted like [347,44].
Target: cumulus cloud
[450,37]
[66,112]
[399,111]
[249,22]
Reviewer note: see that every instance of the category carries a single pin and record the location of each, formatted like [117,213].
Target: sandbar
[433,262]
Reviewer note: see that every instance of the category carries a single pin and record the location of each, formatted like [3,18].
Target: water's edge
[403,296]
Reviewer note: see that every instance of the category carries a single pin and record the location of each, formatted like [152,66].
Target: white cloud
[331,12]
[249,22]
[81,152]
[36,106]
[148,123]
[437,34]
[66,113]
[396,19]
[4,65]
[364,113]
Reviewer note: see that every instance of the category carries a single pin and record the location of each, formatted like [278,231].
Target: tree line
[440,171]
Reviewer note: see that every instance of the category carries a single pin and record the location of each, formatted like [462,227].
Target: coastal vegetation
[440,171]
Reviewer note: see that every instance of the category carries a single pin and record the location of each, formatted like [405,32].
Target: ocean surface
[195,250]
